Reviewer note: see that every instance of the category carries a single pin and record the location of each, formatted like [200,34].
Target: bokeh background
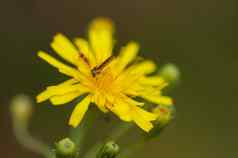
[199,36]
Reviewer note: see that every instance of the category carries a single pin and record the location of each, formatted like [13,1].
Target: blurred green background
[199,36]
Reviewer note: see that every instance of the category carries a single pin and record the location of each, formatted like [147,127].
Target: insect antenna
[84,58]
[97,69]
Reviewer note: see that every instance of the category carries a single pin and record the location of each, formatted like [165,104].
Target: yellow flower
[111,82]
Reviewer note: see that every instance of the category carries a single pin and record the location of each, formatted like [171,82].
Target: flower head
[21,108]
[111,82]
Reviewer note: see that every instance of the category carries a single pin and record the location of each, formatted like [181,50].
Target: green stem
[78,134]
[26,140]
[119,132]
[115,135]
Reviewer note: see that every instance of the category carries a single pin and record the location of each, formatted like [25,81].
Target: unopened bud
[170,73]
[165,115]
[21,108]
[65,148]
[108,150]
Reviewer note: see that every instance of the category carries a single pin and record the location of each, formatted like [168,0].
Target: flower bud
[65,148]
[108,150]
[170,73]
[21,108]
[165,115]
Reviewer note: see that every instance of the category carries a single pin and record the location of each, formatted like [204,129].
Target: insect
[84,58]
[97,69]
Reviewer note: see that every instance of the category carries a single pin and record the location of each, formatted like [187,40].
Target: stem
[78,134]
[115,135]
[26,140]
[119,132]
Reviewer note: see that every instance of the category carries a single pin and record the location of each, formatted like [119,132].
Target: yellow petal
[164,100]
[68,51]
[127,55]
[121,109]
[132,91]
[54,90]
[152,81]
[60,89]
[142,123]
[127,80]
[148,116]
[132,101]
[101,38]
[65,48]
[132,75]
[145,67]
[79,111]
[69,82]
[67,70]
[142,118]
[100,101]
[84,48]
[62,99]
[43,96]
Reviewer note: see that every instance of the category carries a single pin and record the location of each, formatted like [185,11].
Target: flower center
[105,81]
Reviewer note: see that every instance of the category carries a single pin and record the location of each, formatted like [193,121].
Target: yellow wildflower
[111,82]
